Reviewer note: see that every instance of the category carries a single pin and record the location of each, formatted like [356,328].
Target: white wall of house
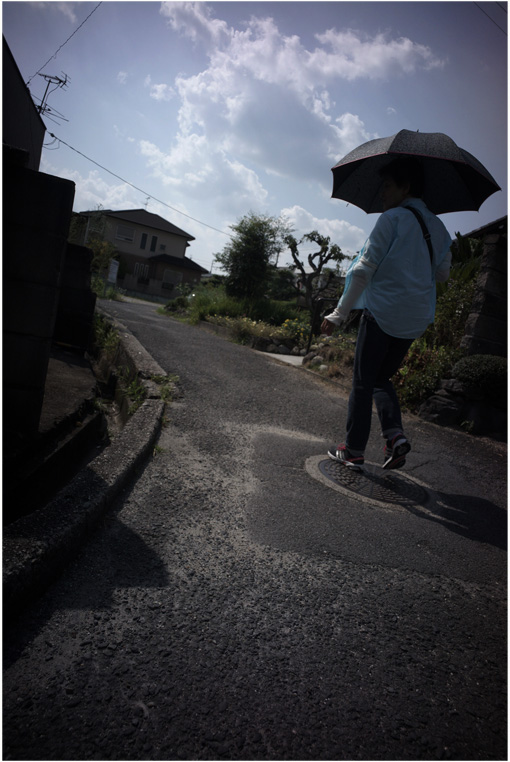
[144,242]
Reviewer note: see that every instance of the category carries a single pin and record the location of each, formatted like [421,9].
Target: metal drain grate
[374,484]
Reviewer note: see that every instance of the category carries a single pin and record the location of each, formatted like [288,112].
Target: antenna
[43,107]
[147,202]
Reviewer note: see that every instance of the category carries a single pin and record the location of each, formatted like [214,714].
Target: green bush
[214,301]
[243,329]
[487,373]
[452,311]
[421,372]
[432,356]
[178,304]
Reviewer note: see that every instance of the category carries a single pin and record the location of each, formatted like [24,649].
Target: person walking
[393,281]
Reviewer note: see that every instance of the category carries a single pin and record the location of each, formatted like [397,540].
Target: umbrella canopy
[454,180]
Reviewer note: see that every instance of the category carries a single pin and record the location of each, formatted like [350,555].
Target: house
[151,251]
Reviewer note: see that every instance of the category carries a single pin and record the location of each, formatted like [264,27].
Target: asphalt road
[234,606]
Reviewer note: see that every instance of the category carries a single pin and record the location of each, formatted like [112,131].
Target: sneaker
[395,451]
[346,458]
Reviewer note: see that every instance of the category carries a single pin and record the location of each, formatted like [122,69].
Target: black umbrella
[454,180]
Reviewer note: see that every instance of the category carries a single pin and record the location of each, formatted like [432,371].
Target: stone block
[474,345]
[442,410]
[485,327]
[32,255]
[492,282]
[38,201]
[25,361]
[30,308]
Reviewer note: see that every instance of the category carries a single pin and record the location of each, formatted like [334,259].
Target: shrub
[209,302]
[452,311]
[177,305]
[421,372]
[297,329]
[488,373]
[244,328]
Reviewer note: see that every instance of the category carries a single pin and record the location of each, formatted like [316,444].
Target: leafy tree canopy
[257,240]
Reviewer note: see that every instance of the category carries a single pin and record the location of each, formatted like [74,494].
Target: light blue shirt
[393,273]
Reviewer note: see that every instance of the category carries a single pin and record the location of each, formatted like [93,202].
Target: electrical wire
[149,195]
[64,43]
[489,17]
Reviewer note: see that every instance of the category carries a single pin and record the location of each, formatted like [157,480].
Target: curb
[37,547]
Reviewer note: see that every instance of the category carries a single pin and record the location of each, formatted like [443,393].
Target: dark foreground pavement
[234,605]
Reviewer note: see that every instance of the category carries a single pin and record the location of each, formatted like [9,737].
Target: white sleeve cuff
[337,317]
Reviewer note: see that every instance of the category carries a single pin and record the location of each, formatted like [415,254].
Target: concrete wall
[36,214]
[75,314]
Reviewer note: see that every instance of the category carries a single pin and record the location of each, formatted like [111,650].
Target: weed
[105,337]
[131,390]
[166,385]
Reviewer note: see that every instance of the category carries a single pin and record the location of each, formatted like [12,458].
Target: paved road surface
[234,606]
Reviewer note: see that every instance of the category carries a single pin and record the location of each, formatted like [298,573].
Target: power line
[489,17]
[64,43]
[139,189]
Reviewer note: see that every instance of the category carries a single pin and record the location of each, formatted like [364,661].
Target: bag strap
[425,231]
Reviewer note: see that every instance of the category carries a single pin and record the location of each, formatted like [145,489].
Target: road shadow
[110,557]
[472,517]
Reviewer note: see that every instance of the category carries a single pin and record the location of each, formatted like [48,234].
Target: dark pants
[378,357]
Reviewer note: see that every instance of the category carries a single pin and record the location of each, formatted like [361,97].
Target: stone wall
[455,403]
[486,326]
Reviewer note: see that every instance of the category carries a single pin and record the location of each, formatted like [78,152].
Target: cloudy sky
[219,109]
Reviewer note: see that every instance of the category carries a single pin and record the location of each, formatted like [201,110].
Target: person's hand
[327,327]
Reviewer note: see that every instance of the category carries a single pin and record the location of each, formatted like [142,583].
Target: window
[143,241]
[141,272]
[125,233]
[154,242]
[162,247]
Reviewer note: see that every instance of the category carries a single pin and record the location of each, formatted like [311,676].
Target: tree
[281,284]
[91,232]
[313,283]
[256,241]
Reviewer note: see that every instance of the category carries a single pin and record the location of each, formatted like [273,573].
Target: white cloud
[200,173]
[65,8]
[160,92]
[352,57]
[390,111]
[263,109]
[194,20]
[349,237]
[92,190]
[260,83]
[122,77]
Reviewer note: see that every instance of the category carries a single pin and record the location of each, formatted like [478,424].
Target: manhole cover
[373,484]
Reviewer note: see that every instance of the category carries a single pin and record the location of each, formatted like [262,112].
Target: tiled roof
[181,262]
[145,218]
[498,226]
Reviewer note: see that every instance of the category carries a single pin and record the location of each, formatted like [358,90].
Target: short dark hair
[403,170]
